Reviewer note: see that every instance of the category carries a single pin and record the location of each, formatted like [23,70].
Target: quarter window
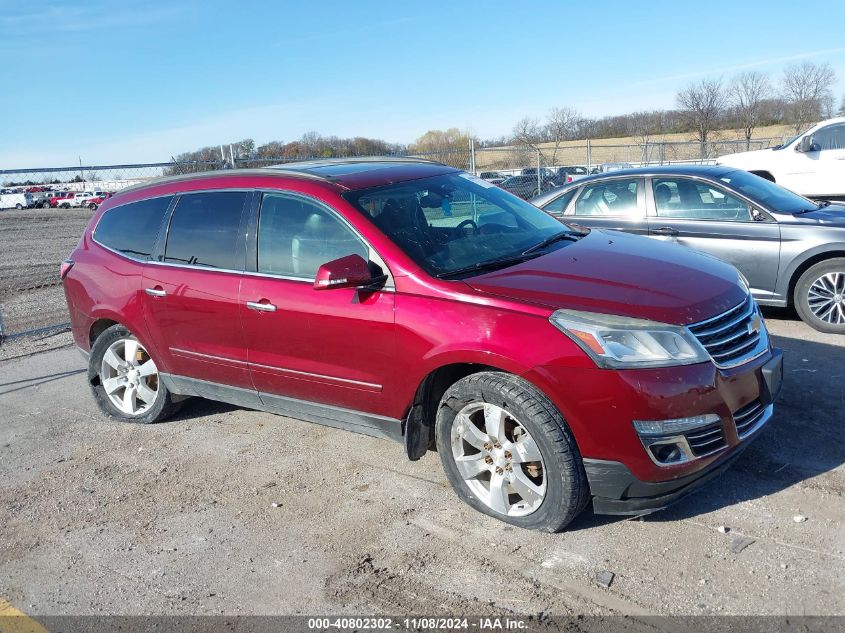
[297,236]
[132,228]
[610,197]
[559,204]
[204,230]
[684,199]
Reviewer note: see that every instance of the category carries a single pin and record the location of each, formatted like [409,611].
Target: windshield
[456,221]
[767,192]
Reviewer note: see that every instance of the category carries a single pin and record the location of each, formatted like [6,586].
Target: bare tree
[702,104]
[747,93]
[642,126]
[807,88]
[528,133]
[842,107]
[561,125]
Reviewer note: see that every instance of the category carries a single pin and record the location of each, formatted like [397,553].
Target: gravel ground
[229,511]
[33,242]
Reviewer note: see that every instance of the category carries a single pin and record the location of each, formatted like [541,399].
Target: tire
[45,204]
[19,206]
[106,370]
[559,490]
[92,206]
[819,296]
[64,206]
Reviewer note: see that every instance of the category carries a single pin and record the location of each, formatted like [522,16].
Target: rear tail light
[65,268]
[569,179]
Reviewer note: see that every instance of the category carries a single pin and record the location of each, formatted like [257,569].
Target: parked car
[606,168]
[790,249]
[811,164]
[570,173]
[98,199]
[409,300]
[526,186]
[16,200]
[56,199]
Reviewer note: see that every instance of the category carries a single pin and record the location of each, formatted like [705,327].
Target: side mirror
[351,271]
[807,145]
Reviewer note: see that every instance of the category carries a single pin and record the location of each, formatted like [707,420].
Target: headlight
[622,343]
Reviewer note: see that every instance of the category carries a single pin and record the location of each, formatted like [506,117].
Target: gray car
[790,249]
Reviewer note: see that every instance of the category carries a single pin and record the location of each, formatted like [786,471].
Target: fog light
[664,440]
[651,428]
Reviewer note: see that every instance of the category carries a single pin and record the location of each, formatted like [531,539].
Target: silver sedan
[790,249]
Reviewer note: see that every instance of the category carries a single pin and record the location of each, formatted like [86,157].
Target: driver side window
[830,137]
[297,236]
[685,199]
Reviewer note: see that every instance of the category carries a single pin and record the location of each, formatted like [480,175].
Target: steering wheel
[460,228]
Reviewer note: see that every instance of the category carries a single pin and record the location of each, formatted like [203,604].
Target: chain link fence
[34,240]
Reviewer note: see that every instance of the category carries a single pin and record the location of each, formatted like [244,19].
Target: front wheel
[820,296]
[125,379]
[508,453]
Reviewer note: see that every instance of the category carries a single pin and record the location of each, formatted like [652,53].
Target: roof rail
[320,162]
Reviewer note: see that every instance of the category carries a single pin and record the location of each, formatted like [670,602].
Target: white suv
[811,164]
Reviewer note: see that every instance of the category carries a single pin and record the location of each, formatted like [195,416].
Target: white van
[16,200]
[811,164]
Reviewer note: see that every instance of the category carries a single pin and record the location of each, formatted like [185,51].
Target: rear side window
[204,230]
[132,228]
[611,198]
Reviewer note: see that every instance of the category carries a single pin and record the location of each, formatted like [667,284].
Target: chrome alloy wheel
[498,459]
[826,298]
[129,377]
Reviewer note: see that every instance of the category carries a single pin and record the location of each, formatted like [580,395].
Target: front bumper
[599,406]
[615,490]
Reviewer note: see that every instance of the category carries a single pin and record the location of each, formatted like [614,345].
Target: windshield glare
[456,220]
[767,192]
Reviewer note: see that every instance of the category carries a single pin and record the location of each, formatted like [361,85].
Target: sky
[131,82]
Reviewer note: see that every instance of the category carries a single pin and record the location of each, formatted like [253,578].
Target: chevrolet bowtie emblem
[755,324]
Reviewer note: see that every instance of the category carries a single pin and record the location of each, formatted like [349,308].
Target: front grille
[706,440]
[734,336]
[747,418]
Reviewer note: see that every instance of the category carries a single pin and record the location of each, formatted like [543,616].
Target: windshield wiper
[563,235]
[822,204]
[501,262]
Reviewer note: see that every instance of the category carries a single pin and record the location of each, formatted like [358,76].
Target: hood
[831,215]
[744,158]
[622,274]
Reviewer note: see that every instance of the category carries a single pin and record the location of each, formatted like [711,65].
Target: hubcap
[498,459]
[129,377]
[826,298]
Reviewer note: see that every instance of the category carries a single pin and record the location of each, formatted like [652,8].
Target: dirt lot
[230,511]
[32,244]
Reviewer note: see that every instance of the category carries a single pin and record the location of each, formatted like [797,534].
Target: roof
[664,170]
[349,173]
[359,173]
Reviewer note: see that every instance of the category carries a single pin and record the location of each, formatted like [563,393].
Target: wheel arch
[805,265]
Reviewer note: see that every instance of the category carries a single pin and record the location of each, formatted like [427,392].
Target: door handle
[666,230]
[155,292]
[260,307]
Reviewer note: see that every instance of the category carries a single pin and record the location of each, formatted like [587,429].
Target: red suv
[549,366]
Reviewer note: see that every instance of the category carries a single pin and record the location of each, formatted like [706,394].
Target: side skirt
[324,414]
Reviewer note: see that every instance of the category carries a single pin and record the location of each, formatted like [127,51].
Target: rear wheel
[508,453]
[125,379]
[45,204]
[820,296]
[19,206]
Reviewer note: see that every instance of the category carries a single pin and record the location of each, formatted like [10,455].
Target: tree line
[802,94]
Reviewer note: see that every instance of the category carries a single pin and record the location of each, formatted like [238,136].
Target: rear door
[190,292]
[709,218]
[334,347]
[612,203]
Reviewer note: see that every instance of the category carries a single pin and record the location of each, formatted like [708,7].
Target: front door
[334,347]
[615,203]
[191,294]
[707,218]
